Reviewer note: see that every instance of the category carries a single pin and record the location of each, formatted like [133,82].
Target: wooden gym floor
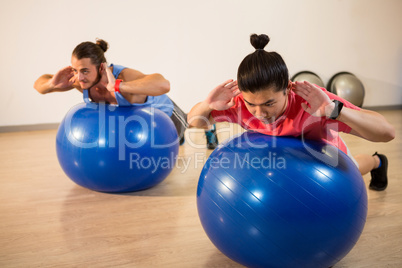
[49,221]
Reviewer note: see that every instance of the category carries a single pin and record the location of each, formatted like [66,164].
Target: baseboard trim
[382,108]
[21,128]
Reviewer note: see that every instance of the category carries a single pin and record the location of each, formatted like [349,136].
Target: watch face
[337,109]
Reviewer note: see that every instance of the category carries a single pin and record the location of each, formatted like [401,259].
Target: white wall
[195,44]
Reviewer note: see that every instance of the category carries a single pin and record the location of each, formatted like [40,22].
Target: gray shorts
[350,154]
[179,119]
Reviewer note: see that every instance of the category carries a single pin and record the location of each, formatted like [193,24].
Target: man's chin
[267,120]
[85,85]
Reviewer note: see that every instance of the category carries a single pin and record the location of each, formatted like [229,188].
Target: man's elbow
[165,87]
[389,135]
[37,88]
[163,84]
[197,121]
[386,134]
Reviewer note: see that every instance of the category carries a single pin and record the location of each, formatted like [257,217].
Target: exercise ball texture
[348,87]
[281,202]
[108,148]
[309,77]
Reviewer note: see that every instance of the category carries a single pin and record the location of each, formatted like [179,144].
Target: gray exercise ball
[309,77]
[347,86]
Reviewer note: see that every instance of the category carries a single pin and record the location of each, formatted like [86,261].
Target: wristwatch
[337,110]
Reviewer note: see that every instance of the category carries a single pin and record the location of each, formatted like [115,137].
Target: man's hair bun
[103,44]
[259,41]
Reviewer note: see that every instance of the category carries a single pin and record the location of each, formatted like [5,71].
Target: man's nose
[259,112]
[80,76]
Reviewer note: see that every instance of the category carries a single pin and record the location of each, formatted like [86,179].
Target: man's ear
[289,85]
[288,88]
[102,67]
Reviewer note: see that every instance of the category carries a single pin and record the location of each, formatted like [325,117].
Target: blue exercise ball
[111,148]
[281,202]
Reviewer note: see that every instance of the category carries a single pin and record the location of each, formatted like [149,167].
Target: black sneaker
[379,178]
[212,139]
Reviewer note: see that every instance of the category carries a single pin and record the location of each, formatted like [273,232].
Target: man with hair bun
[113,84]
[263,99]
